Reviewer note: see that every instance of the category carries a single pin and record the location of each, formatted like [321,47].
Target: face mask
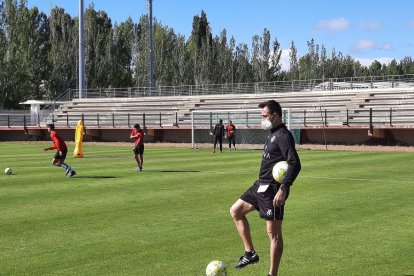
[266,124]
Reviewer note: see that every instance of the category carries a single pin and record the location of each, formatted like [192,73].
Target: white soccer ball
[279,171]
[216,268]
[8,171]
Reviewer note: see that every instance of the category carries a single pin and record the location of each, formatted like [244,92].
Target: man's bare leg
[274,231]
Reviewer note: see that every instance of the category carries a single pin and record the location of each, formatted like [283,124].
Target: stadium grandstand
[370,110]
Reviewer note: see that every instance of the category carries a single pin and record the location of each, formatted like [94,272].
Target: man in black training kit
[266,195]
[218,133]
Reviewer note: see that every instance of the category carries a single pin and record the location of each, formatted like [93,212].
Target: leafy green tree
[294,64]
[121,54]
[98,39]
[407,65]
[243,71]
[375,68]
[140,52]
[62,56]
[261,56]
[25,64]
[275,67]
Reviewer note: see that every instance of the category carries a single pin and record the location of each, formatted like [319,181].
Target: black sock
[248,254]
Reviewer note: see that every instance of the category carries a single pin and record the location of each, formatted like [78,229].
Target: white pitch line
[358,179]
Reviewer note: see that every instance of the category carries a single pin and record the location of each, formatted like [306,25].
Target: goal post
[246,121]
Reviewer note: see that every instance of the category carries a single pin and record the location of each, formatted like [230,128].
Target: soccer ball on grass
[279,171]
[216,268]
[8,171]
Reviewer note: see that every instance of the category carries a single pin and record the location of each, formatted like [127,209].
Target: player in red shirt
[138,135]
[231,134]
[59,145]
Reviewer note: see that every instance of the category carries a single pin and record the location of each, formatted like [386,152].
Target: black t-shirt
[218,130]
[280,146]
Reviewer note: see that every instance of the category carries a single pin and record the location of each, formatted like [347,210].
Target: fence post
[304,117]
[83,119]
[371,127]
[113,120]
[129,124]
[53,118]
[326,118]
[347,117]
[160,120]
[247,118]
[176,119]
[24,125]
[97,119]
[38,119]
[67,119]
[143,120]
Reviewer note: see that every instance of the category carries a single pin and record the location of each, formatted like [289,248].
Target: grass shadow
[95,177]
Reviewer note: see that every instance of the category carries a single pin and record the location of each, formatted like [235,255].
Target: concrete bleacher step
[332,103]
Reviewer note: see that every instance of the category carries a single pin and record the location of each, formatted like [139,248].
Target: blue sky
[365,29]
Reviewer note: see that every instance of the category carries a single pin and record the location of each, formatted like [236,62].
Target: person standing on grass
[138,135]
[59,145]
[218,133]
[266,195]
[231,134]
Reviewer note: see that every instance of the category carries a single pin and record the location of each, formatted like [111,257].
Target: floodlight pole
[81,50]
[151,50]
[192,130]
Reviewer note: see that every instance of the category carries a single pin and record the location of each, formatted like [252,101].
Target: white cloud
[336,24]
[364,44]
[370,26]
[285,60]
[386,47]
[369,61]
[368,44]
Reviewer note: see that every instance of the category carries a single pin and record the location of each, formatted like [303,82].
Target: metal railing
[369,82]
[246,119]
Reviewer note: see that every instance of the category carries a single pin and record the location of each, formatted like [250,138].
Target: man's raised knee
[235,212]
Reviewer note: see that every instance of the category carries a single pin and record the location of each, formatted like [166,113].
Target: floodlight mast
[151,50]
[81,50]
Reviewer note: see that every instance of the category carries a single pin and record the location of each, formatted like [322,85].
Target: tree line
[39,55]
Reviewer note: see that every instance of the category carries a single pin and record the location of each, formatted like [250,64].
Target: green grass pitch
[349,213]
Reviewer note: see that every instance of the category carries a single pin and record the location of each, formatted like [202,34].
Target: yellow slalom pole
[78,152]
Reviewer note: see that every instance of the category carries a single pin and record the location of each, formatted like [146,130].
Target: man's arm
[55,141]
[214,130]
[287,146]
[133,135]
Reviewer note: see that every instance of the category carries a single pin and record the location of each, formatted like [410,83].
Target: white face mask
[267,124]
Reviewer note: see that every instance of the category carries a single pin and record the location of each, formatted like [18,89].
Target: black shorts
[263,202]
[139,149]
[61,156]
